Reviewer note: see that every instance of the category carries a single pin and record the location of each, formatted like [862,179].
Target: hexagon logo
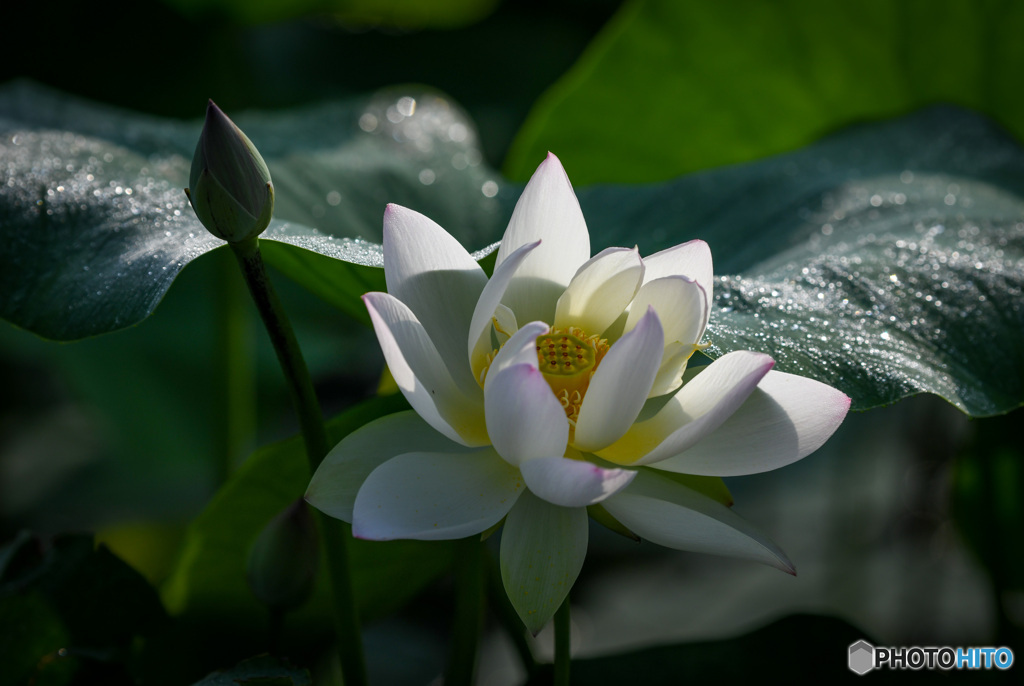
[862,657]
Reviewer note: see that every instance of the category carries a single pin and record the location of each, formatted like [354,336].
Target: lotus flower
[560,385]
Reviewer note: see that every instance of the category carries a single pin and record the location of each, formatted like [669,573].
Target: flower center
[568,359]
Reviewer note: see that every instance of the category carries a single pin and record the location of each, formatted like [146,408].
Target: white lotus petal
[681,304]
[785,419]
[620,386]
[600,291]
[420,374]
[673,366]
[542,552]
[437,279]
[548,211]
[692,259]
[573,483]
[697,409]
[335,484]
[670,514]
[524,418]
[488,304]
[435,496]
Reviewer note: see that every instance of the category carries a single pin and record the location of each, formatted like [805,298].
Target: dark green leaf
[69,608]
[31,637]
[101,601]
[210,576]
[259,671]
[672,87]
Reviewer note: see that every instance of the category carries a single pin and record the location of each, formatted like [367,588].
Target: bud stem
[287,348]
[333,536]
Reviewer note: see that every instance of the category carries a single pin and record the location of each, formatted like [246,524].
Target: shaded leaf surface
[71,608]
[101,600]
[808,648]
[32,636]
[259,671]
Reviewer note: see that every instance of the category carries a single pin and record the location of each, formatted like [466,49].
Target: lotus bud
[229,186]
[283,561]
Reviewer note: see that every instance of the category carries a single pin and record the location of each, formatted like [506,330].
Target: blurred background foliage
[904,527]
[675,87]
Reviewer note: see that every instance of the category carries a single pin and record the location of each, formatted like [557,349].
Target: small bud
[283,561]
[229,186]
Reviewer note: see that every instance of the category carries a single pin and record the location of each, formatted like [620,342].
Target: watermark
[863,657]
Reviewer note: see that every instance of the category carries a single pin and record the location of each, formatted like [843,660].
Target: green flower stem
[287,348]
[506,614]
[468,622]
[563,635]
[333,537]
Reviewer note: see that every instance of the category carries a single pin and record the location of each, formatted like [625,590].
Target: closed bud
[283,561]
[229,186]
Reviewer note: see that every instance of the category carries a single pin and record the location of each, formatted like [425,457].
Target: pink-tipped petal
[697,409]
[542,552]
[437,279]
[573,483]
[547,211]
[667,513]
[524,418]
[600,291]
[786,418]
[435,496]
[421,375]
[620,386]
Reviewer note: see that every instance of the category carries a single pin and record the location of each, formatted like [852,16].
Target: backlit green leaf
[209,579]
[674,86]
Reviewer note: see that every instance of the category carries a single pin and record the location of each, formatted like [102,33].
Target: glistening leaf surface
[886,260]
[95,226]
